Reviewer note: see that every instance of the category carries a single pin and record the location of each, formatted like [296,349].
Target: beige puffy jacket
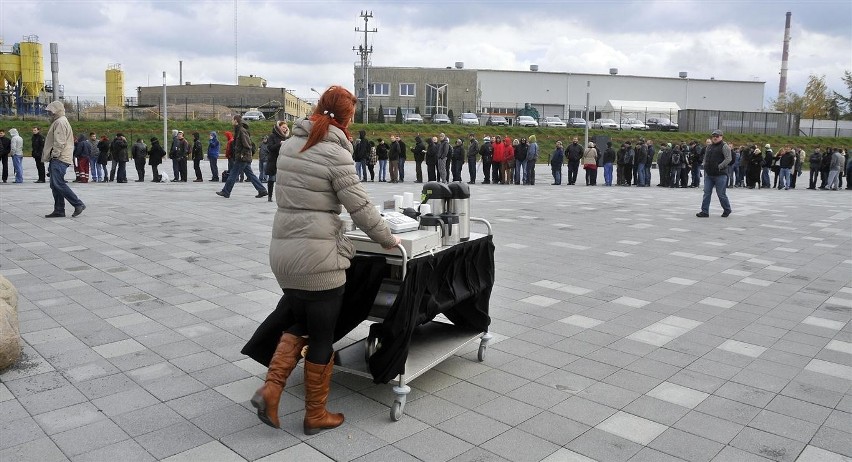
[308,249]
[59,142]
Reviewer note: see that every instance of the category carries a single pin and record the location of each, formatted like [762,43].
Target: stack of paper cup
[407,200]
[397,203]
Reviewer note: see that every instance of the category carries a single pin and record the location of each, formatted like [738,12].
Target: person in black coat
[139,151]
[419,151]
[118,152]
[197,156]
[280,133]
[38,148]
[155,158]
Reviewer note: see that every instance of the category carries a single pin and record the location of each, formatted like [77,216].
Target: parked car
[441,119]
[605,124]
[253,115]
[553,122]
[632,124]
[497,120]
[469,118]
[526,121]
[577,122]
[413,118]
[661,123]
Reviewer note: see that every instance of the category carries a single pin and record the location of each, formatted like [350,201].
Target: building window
[436,98]
[389,111]
[406,89]
[379,89]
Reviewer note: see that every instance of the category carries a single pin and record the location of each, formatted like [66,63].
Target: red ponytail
[336,107]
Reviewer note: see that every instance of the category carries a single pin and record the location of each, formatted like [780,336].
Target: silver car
[526,121]
[553,122]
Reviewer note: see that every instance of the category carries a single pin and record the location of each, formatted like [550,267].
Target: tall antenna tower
[364,50]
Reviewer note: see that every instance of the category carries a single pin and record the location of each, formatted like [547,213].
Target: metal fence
[825,128]
[757,123]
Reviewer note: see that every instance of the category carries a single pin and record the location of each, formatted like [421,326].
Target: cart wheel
[481,355]
[396,411]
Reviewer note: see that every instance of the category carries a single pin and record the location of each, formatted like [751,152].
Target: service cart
[430,305]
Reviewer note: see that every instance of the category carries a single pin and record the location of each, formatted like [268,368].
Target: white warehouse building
[506,92]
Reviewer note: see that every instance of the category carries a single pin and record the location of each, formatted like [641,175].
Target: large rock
[10,334]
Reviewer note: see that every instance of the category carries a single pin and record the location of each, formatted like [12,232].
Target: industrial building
[505,92]
[251,92]
[23,89]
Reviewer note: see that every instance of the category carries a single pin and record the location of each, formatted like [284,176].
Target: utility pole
[364,50]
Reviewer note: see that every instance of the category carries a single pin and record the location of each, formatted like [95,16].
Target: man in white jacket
[59,152]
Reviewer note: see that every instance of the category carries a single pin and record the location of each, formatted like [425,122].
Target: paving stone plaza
[624,327]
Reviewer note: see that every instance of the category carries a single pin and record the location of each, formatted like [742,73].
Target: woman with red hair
[309,254]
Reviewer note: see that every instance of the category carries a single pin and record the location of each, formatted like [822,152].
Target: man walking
[59,146]
[38,148]
[242,152]
[717,156]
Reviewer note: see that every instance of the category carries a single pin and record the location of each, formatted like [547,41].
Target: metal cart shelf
[430,344]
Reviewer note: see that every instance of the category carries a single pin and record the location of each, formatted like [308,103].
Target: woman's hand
[396,242]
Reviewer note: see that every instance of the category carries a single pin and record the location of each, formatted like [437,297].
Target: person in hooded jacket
[155,158]
[814,165]
[59,153]
[507,172]
[382,157]
[280,133]
[118,152]
[213,155]
[16,150]
[556,160]
[309,255]
[754,169]
[103,158]
[497,160]
[229,141]
[197,156]
[532,159]
[84,153]
[139,151]
[419,151]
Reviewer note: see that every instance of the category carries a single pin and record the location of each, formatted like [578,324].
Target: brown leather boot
[317,382]
[266,398]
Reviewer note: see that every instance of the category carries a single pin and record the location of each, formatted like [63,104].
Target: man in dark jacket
[360,154]
[573,153]
[768,158]
[419,151]
[242,152]
[178,152]
[486,153]
[118,151]
[139,151]
[814,161]
[787,162]
[38,148]
[5,149]
[607,161]
[717,156]
[401,161]
[431,159]
[472,151]
[640,161]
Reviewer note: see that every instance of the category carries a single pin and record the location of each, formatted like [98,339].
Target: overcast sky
[304,44]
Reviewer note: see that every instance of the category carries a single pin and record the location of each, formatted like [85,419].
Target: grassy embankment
[547,137]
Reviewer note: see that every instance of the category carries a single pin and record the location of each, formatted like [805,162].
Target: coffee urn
[460,205]
[437,195]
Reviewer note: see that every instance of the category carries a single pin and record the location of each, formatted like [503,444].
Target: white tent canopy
[650,108]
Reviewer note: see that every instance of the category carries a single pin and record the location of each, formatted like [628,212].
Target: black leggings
[315,313]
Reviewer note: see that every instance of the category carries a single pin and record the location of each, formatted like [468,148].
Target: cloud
[302,44]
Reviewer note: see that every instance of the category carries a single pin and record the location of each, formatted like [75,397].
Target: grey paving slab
[751,344]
